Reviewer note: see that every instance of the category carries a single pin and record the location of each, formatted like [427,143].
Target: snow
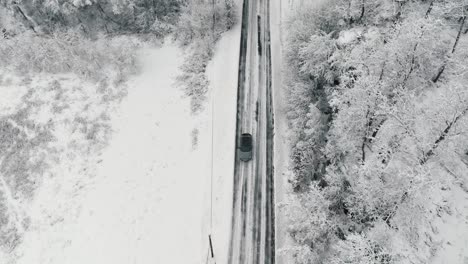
[348,36]
[449,231]
[279,13]
[146,197]
[288,6]
[453,230]
[12,93]
[146,203]
[223,73]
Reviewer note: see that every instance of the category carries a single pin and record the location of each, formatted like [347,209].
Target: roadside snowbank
[222,72]
[279,12]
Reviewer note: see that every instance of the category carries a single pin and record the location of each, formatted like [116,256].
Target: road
[252,230]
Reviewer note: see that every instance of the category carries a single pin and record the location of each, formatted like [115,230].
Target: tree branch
[442,68]
[363,10]
[442,137]
[30,22]
[429,9]
[462,24]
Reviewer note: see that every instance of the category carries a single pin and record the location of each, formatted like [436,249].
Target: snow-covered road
[253,215]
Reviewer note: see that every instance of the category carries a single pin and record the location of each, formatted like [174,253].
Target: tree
[200,25]
[310,225]
[368,118]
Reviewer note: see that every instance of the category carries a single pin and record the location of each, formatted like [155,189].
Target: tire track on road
[252,228]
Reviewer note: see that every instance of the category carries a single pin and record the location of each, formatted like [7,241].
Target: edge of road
[270,225]
[240,99]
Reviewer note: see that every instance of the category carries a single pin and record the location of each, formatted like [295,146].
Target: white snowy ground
[453,230]
[149,200]
[280,9]
[145,203]
[223,73]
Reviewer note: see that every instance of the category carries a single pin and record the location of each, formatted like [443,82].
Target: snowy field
[147,197]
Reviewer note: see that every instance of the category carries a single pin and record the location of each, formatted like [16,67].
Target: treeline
[94,16]
[96,39]
[51,26]
[104,59]
[378,110]
[199,28]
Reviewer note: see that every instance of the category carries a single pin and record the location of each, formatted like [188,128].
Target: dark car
[245,148]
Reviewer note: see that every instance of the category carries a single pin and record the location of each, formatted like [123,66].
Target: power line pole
[211,246]
[211,257]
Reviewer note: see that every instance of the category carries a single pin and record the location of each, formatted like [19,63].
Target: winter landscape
[233,131]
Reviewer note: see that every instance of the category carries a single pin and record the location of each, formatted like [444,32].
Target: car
[245,147]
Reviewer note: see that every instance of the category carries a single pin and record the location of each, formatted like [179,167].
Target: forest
[378,113]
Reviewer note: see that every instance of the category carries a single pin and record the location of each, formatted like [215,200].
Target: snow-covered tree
[378,115]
